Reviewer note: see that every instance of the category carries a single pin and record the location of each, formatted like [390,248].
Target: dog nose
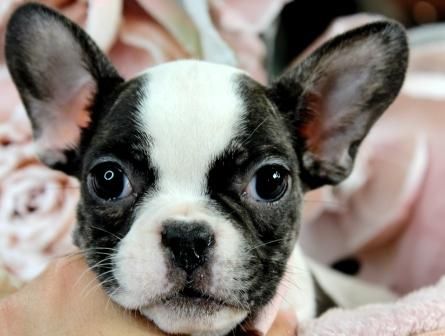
[188,242]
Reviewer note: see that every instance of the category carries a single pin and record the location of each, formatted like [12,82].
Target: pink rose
[36,216]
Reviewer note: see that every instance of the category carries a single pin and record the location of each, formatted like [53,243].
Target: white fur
[187,132]
[143,275]
[300,295]
[219,323]
[189,129]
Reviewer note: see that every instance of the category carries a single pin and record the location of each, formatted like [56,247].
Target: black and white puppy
[192,174]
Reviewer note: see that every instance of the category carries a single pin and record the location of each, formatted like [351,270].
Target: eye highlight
[269,183]
[108,181]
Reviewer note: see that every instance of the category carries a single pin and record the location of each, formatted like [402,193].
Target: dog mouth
[193,311]
[190,297]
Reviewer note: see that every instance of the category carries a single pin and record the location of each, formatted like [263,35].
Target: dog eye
[109,182]
[269,183]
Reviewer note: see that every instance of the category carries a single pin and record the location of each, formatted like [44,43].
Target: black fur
[114,135]
[270,230]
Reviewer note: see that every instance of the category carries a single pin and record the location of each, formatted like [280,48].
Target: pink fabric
[417,313]
[393,163]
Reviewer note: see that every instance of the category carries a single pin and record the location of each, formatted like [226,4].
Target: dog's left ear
[334,97]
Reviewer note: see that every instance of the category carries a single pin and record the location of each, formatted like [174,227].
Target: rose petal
[176,22]
[36,217]
[104,13]
[248,16]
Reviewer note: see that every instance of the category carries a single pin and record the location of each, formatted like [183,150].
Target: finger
[284,325]
[90,308]
[52,305]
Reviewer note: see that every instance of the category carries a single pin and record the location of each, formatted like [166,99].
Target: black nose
[189,243]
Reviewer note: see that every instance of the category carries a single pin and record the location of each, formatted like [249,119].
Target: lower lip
[197,302]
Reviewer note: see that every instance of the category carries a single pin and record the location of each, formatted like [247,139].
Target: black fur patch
[270,229]
[114,136]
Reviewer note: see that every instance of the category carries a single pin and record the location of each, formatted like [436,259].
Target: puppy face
[192,174]
[192,208]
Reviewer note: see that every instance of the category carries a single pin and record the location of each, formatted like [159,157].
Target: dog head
[192,174]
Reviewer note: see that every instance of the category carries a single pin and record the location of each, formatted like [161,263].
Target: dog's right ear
[61,75]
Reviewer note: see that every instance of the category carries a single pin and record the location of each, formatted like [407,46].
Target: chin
[201,319]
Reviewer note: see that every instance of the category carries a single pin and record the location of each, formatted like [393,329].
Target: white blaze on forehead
[191,112]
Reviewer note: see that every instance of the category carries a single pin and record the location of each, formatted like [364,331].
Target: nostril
[188,243]
[171,239]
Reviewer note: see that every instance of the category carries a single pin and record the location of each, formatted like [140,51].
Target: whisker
[254,131]
[86,290]
[119,238]
[109,298]
[264,244]
[283,298]
[97,286]
[91,268]
[81,252]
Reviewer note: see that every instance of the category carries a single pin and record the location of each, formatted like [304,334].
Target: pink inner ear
[65,121]
[311,128]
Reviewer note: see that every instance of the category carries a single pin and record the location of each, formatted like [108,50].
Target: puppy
[192,174]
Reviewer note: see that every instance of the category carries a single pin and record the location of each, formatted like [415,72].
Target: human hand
[68,300]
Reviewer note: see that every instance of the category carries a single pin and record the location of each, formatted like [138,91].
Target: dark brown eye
[269,183]
[108,181]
